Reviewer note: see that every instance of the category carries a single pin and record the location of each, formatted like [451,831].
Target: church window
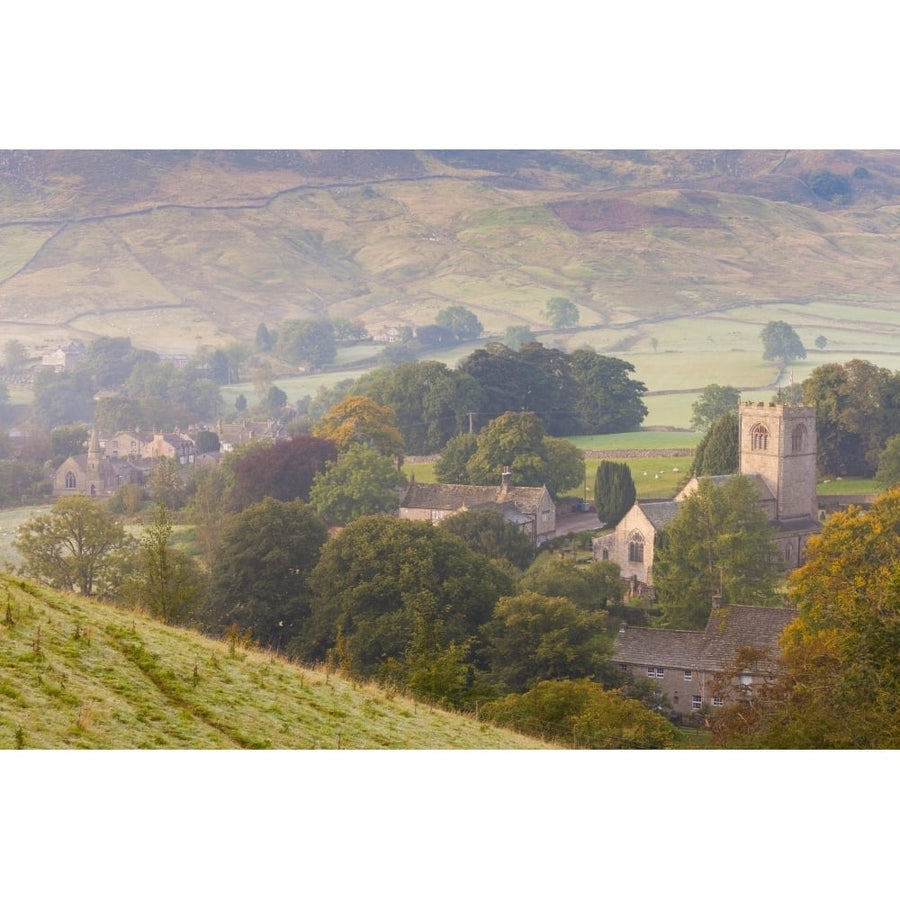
[798,439]
[71,483]
[759,437]
[636,547]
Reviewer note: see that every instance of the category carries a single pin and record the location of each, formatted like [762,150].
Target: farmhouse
[686,666]
[777,452]
[531,509]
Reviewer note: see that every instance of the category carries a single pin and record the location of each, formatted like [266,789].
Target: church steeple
[94,456]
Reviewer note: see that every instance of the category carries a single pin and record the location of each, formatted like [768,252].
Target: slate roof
[659,512]
[728,630]
[427,495]
[762,489]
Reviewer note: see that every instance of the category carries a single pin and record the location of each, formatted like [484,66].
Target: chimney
[504,480]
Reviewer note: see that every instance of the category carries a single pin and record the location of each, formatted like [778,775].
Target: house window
[636,547]
[798,438]
[623,667]
[688,674]
[655,672]
[70,481]
[718,701]
[759,437]
[696,701]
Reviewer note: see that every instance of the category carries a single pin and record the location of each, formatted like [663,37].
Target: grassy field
[75,673]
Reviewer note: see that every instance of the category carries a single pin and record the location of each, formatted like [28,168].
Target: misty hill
[77,673]
[184,248]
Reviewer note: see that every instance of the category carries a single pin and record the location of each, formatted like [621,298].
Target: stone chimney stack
[504,480]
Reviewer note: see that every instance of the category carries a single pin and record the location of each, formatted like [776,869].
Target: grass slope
[76,673]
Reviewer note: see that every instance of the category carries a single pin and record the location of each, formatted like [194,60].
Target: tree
[719,543]
[561,312]
[165,581]
[263,342]
[714,402]
[614,491]
[821,342]
[68,440]
[781,343]
[15,356]
[361,482]
[590,587]
[532,638]
[378,575]
[166,483]
[838,686]
[206,441]
[260,575]
[361,420]
[518,440]
[607,400]
[308,342]
[718,452]
[517,335]
[452,466]
[240,403]
[283,470]
[487,532]
[582,714]
[888,474]
[462,323]
[276,399]
[72,546]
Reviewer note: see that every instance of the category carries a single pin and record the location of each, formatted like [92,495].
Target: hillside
[182,249]
[76,673]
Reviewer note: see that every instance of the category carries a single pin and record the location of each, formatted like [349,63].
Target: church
[92,474]
[777,452]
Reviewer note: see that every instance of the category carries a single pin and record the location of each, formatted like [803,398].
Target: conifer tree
[614,491]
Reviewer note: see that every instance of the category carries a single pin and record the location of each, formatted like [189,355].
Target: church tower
[778,443]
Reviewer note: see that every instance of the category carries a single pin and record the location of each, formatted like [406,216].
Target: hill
[76,673]
[187,248]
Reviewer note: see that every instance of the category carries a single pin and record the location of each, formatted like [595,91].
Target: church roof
[762,488]
[728,630]
[659,512]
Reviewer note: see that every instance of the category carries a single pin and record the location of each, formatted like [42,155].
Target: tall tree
[260,575]
[452,466]
[462,323]
[165,580]
[715,401]
[718,452]
[608,400]
[614,491]
[719,544]
[72,546]
[308,342]
[781,343]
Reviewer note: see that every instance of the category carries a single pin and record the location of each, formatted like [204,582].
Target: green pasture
[637,440]
[10,520]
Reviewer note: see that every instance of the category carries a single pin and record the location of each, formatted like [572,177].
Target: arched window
[789,553]
[759,437]
[71,482]
[636,547]
[798,439]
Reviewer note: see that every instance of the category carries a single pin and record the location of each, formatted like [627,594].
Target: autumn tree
[719,543]
[361,482]
[360,420]
[283,470]
[259,576]
[839,684]
[614,491]
[73,546]
[715,401]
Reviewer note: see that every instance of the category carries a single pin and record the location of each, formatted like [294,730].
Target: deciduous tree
[462,323]
[720,543]
[781,343]
[72,546]
[715,401]
[360,420]
[561,312]
[486,532]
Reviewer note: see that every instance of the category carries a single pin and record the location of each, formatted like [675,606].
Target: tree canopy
[614,491]
[360,420]
[486,532]
[781,343]
[719,543]
[719,451]
[561,312]
[462,323]
[715,401]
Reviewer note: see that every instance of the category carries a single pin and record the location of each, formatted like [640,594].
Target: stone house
[777,452]
[684,666]
[63,359]
[173,446]
[531,509]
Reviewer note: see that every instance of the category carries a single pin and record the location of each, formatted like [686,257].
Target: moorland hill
[185,248]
